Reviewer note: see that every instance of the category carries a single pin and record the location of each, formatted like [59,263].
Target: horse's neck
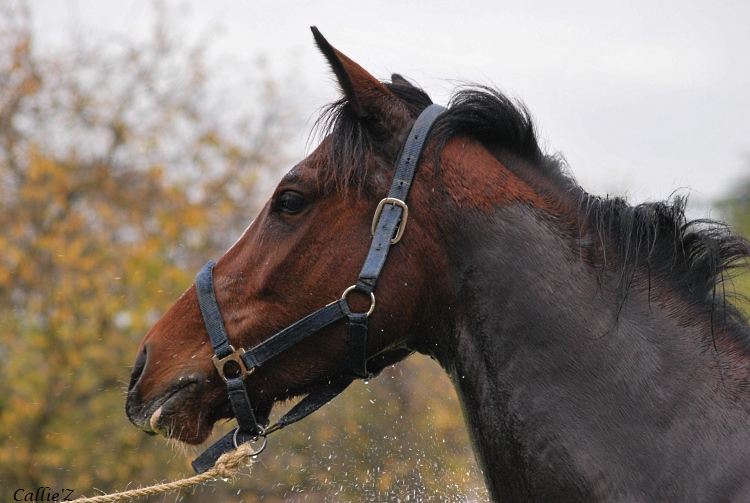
[569,392]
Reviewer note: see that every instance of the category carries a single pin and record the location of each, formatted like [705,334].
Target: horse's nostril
[138,366]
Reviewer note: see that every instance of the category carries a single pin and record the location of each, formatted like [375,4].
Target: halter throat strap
[389,224]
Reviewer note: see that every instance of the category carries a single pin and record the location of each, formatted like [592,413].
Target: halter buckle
[236,367]
[402,222]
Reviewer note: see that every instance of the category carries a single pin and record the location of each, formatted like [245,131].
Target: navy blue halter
[233,365]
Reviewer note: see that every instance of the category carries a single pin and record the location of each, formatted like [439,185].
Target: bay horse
[590,341]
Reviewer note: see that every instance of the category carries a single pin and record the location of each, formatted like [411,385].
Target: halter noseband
[233,365]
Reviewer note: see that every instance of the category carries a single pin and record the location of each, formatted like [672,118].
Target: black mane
[695,258]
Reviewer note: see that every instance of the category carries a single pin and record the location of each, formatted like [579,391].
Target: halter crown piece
[389,224]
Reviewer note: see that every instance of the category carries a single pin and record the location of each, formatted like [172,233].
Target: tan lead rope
[226,467]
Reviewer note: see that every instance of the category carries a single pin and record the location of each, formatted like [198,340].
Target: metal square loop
[232,364]
[402,221]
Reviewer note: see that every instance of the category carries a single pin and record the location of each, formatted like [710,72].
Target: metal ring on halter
[254,453]
[372,299]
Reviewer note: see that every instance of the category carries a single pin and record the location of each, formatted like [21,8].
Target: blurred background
[138,139]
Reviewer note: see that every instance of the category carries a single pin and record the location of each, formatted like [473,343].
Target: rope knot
[230,463]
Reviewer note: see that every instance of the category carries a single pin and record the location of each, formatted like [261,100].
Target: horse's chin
[174,415]
[186,411]
[178,424]
[160,424]
[193,431]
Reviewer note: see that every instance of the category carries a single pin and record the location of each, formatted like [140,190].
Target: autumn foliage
[121,173]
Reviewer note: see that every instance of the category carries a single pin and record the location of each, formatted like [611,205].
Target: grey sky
[641,97]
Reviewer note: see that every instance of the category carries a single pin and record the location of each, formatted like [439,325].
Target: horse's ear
[368,98]
[398,80]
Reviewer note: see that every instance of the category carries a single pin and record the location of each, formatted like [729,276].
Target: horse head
[301,253]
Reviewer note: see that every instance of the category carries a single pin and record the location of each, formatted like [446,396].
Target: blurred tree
[121,170]
[735,209]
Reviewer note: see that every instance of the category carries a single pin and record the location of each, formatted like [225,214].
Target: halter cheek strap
[230,368]
[389,224]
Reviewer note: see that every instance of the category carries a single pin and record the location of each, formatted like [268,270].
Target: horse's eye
[290,202]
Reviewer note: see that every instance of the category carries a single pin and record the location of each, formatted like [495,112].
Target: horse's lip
[151,425]
[153,422]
